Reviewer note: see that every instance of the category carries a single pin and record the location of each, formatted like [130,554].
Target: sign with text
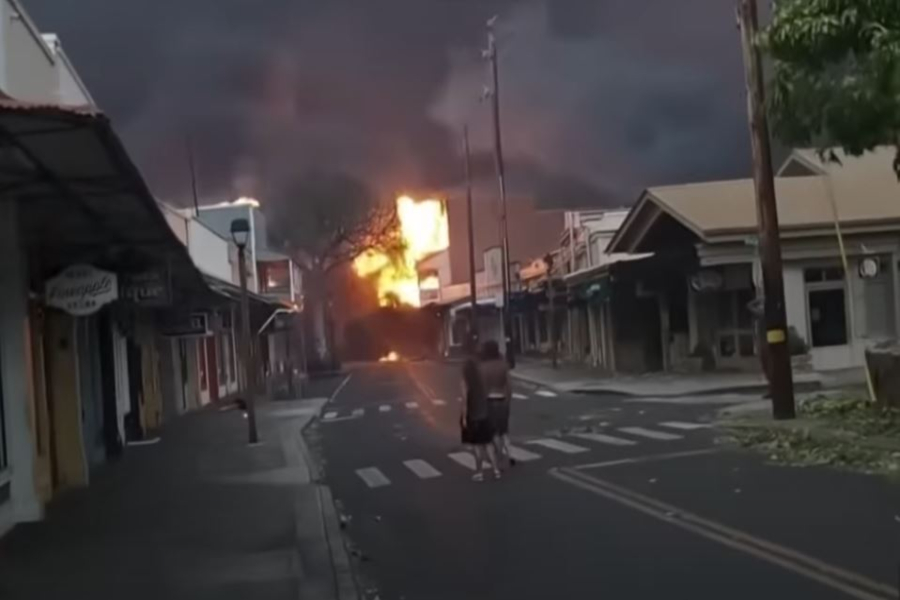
[188,325]
[150,288]
[81,290]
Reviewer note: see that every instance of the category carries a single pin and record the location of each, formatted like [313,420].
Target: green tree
[323,221]
[836,74]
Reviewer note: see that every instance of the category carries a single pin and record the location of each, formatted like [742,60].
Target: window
[735,324]
[826,304]
[275,277]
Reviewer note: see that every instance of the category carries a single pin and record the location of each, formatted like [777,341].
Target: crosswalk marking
[373,477]
[519,396]
[330,415]
[422,469]
[438,402]
[546,393]
[684,426]
[358,412]
[559,445]
[384,408]
[464,458]
[604,439]
[412,405]
[650,433]
[521,454]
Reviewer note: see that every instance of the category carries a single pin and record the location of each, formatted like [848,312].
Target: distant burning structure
[424,230]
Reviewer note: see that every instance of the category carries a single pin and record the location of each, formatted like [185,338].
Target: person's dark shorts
[498,408]
[478,432]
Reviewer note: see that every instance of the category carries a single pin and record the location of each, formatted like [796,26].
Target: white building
[33,68]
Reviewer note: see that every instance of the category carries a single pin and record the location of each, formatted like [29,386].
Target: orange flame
[425,229]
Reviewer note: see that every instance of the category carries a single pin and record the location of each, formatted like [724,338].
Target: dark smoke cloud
[600,97]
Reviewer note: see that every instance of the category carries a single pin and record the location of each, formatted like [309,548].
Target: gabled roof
[864,190]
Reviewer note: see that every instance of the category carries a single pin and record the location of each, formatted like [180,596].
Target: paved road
[613,498]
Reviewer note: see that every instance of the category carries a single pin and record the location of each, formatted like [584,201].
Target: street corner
[789,517]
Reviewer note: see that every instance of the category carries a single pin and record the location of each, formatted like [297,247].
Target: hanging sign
[187,325]
[81,290]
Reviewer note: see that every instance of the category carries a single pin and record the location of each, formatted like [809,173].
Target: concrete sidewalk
[198,515]
[580,379]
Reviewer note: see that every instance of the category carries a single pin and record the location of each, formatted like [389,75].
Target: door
[41,428]
[212,368]
[134,427]
[185,374]
[90,386]
[112,440]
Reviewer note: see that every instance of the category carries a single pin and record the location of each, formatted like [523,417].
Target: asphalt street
[613,497]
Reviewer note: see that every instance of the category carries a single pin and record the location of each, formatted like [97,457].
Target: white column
[14,329]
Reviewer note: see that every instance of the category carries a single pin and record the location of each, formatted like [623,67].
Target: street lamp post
[240,233]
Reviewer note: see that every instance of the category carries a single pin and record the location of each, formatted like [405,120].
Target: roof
[81,198]
[864,190]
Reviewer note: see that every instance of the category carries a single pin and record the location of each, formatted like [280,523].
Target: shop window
[275,278]
[735,332]
[823,274]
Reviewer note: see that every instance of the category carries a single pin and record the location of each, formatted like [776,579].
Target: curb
[346,586]
[803,387]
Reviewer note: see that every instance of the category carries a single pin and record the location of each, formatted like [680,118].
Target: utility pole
[781,386]
[473,289]
[501,178]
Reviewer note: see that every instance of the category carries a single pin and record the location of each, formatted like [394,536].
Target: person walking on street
[477,430]
[495,373]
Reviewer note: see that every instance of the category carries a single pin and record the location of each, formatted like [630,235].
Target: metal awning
[82,200]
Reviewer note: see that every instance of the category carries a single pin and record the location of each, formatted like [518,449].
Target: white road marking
[546,393]
[650,433]
[438,402]
[384,408]
[464,458]
[519,396]
[604,439]
[521,454]
[412,405]
[422,469]
[558,445]
[373,477]
[684,426]
[339,388]
[358,412]
[330,415]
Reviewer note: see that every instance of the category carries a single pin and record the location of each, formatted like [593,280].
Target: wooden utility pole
[473,289]
[501,178]
[781,385]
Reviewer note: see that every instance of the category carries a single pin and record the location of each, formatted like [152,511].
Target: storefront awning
[82,200]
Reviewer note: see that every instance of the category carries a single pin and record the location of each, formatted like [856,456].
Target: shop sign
[189,325]
[150,288]
[81,290]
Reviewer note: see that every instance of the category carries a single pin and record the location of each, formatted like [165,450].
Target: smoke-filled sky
[600,98]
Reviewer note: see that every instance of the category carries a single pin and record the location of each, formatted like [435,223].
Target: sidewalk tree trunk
[324,221]
[836,75]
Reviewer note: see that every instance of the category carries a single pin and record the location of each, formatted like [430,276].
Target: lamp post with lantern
[240,233]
